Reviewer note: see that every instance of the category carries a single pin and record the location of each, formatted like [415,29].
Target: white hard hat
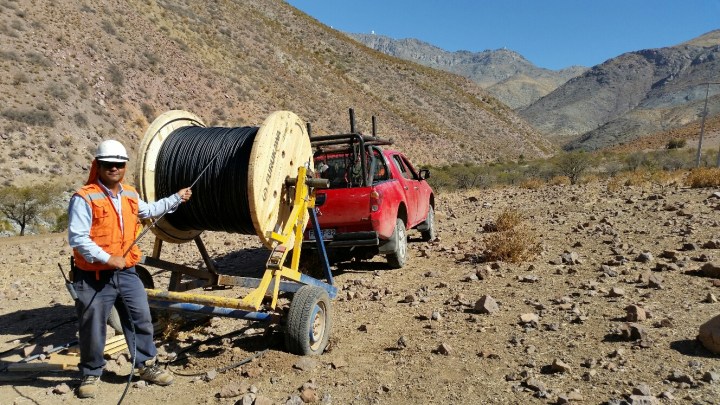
[111,151]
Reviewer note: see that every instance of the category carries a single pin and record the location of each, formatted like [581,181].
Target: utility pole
[702,127]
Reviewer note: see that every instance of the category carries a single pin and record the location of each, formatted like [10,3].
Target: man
[103,223]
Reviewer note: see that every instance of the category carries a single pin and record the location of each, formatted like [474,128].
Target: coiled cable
[220,200]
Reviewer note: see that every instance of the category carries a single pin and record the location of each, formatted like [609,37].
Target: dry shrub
[513,242]
[704,177]
[615,184]
[532,183]
[513,246]
[507,220]
[559,181]
[170,326]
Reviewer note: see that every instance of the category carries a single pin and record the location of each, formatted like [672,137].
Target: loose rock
[486,305]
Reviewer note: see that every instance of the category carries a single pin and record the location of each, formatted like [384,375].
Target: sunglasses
[110,165]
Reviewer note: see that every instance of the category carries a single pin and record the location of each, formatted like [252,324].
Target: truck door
[409,182]
[422,194]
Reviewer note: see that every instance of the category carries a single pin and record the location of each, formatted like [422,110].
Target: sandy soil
[413,336]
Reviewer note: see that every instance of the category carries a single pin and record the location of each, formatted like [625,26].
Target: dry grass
[666,178]
[559,181]
[532,183]
[633,178]
[704,177]
[513,242]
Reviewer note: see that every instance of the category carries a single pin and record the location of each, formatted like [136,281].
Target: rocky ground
[607,311]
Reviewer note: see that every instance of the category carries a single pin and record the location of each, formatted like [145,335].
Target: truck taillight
[375,201]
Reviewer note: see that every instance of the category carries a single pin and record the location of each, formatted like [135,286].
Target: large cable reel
[280,147]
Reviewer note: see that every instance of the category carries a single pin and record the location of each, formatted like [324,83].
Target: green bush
[676,144]
[116,75]
[573,165]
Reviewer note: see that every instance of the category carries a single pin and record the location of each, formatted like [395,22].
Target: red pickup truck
[375,197]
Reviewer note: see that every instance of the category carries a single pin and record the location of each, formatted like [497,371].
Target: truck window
[381,171]
[399,163]
[410,168]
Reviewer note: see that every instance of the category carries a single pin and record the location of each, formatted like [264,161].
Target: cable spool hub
[280,146]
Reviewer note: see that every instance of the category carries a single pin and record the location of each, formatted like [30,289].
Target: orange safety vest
[105,228]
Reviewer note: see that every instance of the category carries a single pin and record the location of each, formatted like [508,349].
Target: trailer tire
[114,317]
[397,258]
[309,322]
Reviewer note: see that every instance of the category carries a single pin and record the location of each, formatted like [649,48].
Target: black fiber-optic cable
[220,200]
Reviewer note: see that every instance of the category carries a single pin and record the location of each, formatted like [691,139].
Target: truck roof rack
[347,139]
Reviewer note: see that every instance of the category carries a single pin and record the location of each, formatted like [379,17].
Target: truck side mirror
[424,174]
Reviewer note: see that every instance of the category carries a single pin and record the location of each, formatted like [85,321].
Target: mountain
[504,73]
[74,73]
[632,95]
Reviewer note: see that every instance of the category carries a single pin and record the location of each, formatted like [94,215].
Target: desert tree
[25,205]
[572,165]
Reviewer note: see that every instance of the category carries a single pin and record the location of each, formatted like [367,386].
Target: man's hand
[117,262]
[185,194]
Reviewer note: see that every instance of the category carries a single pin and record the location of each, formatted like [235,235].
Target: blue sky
[550,33]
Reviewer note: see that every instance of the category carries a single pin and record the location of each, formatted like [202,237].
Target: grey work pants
[95,301]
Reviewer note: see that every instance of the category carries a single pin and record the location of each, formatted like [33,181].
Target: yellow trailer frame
[276,278]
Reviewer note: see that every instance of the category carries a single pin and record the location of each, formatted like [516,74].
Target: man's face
[111,173]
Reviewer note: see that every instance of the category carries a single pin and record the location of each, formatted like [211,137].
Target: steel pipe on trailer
[212,310]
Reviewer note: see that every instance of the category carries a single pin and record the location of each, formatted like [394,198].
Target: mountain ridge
[632,95]
[503,72]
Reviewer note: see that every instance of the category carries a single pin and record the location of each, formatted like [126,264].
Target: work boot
[88,386]
[151,372]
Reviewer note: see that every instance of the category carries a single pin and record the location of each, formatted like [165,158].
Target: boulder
[711,270]
[709,334]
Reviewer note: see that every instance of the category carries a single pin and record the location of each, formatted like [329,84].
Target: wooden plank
[69,359]
[42,366]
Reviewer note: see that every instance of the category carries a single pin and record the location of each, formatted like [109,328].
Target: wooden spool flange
[280,147]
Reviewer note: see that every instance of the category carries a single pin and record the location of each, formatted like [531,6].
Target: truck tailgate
[344,206]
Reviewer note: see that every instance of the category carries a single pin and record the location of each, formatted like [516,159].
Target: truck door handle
[405,187]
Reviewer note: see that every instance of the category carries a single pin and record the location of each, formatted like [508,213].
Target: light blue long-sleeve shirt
[80,221]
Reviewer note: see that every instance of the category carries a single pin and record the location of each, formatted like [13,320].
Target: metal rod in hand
[155,221]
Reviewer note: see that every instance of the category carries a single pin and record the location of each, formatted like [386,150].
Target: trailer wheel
[114,318]
[398,257]
[308,322]
[429,233]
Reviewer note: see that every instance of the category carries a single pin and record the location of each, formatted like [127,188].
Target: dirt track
[491,358]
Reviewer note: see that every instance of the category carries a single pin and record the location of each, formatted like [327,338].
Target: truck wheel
[309,321]
[429,232]
[398,257]
[114,318]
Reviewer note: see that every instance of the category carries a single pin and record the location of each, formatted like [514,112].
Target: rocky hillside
[504,73]
[632,95]
[74,73]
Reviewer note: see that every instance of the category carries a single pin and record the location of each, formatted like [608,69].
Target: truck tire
[309,321]
[398,257]
[429,233]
